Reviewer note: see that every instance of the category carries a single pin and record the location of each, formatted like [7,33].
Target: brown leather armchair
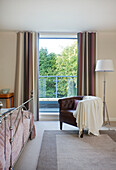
[67,106]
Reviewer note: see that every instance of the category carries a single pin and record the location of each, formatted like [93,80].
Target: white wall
[7,59]
[106,49]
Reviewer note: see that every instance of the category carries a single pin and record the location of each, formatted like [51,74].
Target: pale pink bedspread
[23,132]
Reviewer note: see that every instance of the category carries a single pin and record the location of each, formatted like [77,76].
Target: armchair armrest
[68,103]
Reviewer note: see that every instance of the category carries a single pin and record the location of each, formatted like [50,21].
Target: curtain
[86,62]
[27,72]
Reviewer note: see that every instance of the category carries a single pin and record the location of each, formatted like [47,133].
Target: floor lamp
[104,66]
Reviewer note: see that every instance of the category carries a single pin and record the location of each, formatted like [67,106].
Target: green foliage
[47,63]
[67,61]
[58,65]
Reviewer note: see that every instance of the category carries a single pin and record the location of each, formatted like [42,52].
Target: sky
[55,45]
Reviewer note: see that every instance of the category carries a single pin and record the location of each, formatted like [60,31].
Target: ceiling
[58,15]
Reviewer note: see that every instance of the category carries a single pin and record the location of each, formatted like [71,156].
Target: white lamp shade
[104,66]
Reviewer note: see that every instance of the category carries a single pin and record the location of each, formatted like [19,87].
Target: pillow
[75,104]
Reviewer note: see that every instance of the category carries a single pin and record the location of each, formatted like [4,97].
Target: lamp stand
[105,106]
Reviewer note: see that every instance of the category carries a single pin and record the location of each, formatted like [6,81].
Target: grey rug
[64,150]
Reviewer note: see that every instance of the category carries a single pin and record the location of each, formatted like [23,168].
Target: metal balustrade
[57,86]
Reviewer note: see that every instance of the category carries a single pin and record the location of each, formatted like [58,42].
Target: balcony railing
[57,86]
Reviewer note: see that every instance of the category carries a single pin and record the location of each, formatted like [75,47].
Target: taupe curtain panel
[86,62]
[27,69]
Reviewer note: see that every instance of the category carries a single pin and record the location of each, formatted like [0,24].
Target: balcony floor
[49,114]
[49,110]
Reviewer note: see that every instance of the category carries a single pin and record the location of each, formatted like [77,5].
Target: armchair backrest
[68,103]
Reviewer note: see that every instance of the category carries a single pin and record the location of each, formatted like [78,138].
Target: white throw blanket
[89,114]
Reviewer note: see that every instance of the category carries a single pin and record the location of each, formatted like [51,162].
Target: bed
[16,127]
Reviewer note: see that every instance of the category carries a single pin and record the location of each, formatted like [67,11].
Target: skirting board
[112,119]
[56,117]
[49,117]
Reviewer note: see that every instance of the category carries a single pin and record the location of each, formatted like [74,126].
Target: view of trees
[64,64]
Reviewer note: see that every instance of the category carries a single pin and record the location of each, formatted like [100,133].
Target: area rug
[64,150]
